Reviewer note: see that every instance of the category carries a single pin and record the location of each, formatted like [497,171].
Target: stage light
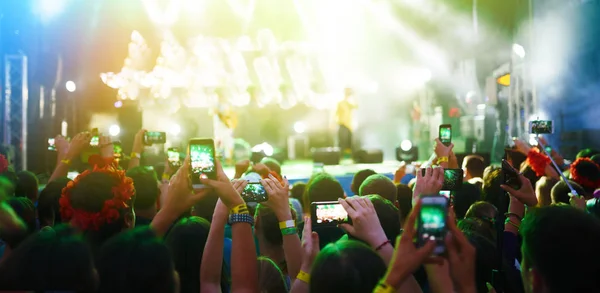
[299,127]
[70,85]
[518,50]
[118,104]
[264,147]
[406,145]
[114,130]
[63,128]
[175,129]
[48,9]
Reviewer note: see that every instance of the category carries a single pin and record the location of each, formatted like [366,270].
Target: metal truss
[522,104]
[16,96]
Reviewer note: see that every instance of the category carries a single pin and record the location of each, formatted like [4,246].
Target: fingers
[307,227]
[426,251]
[508,189]
[409,226]
[438,142]
[348,228]
[314,237]
[428,172]
[349,208]
[438,174]
[362,201]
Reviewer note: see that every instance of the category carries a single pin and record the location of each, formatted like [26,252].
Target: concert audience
[380,185]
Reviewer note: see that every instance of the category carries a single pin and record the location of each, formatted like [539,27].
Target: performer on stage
[344,117]
[225,122]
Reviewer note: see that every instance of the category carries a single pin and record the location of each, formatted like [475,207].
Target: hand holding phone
[431,222]
[511,176]
[174,158]
[328,213]
[445,134]
[202,160]
[155,137]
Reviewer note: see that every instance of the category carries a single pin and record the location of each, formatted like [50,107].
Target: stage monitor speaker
[460,157]
[372,156]
[327,156]
[409,156]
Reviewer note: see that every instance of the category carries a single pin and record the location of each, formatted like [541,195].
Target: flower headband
[3,164]
[580,178]
[123,191]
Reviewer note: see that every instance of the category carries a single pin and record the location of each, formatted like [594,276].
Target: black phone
[155,137]
[51,144]
[254,192]
[203,162]
[431,222]
[511,176]
[174,158]
[445,134]
[453,179]
[328,213]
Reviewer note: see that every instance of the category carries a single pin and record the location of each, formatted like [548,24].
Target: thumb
[314,237]
[209,182]
[508,189]
[348,228]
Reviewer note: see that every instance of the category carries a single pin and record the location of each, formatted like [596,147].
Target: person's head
[48,207]
[27,185]
[359,178]
[186,242]
[322,187]
[560,191]
[24,209]
[100,203]
[388,215]
[463,198]
[543,189]
[205,207]
[404,196]
[381,185]
[493,193]
[587,153]
[348,92]
[596,159]
[528,172]
[557,240]
[266,226]
[9,181]
[51,259]
[272,164]
[473,167]
[486,213]
[270,277]
[298,190]
[586,173]
[136,261]
[515,158]
[337,266]
[145,182]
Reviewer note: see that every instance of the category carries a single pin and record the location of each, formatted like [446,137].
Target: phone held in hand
[155,137]
[174,158]
[431,222]
[254,192]
[51,144]
[445,134]
[541,127]
[453,179]
[328,213]
[202,160]
[511,176]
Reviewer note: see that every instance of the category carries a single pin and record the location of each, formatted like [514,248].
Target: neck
[147,213]
[273,252]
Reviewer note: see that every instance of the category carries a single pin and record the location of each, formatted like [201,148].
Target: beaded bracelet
[240,218]
[513,214]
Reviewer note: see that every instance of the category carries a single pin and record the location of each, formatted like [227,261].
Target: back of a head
[27,185]
[298,190]
[267,224]
[146,187]
[48,207]
[474,165]
[136,261]
[467,195]
[557,240]
[482,210]
[52,259]
[186,242]
[586,173]
[346,266]
[389,216]
[24,209]
[359,178]
[381,185]
[272,164]
[322,187]
[493,193]
[404,196]
[543,190]
[560,191]
[587,153]
[270,277]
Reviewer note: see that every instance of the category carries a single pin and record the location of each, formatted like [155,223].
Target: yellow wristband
[303,276]
[66,162]
[166,176]
[240,209]
[383,287]
[287,224]
[442,160]
[135,155]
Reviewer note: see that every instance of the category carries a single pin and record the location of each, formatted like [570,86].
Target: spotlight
[70,85]
[406,145]
[175,129]
[264,147]
[299,127]
[114,130]
[118,104]
[407,152]
[518,50]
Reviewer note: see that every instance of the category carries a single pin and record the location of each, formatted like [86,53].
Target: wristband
[303,276]
[508,221]
[513,214]
[382,245]
[287,224]
[289,231]
[135,155]
[166,176]
[240,209]
[383,287]
[442,160]
[240,218]
[66,162]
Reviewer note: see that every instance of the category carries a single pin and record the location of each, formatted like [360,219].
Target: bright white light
[114,130]
[70,85]
[63,128]
[406,145]
[518,50]
[425,75]
[48,9]
[299,127]
[264,147]
[118,104]
[175,129]
[532,140]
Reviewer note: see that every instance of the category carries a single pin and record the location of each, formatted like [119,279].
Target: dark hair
[27,185]
[11,179]
[389,216]
[146,186]
[467,195]
[493,193]
[298,190]
[272,164]
[322,187]
[543,190]
[587,170]
[25,210]
[48,207]
[596,159]
[587,153]
[515,157]
[136,261]
[270,277]
[559,237]
[475,165]
[404,197]
[484,211]
[529,173]
[52,259]
[560,191]
[266,222]
[205,208]
[346,266]
[381,185]
[359,178]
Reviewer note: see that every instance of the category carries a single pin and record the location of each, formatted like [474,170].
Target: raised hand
[138,141]
[223,187]
[241,167]
[365,223]
[107,149]
[80,142]
[310,245]
[429,183]
[461,257]
[239,185]
[278,197]
[526,194]
[442,150]
[180,196]
[61,144]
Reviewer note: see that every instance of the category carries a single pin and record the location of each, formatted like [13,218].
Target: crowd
[125,229]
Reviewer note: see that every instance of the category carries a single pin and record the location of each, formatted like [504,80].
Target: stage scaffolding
[16,96]
[522,104]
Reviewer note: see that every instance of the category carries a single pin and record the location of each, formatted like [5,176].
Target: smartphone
[155,137]
[95,140]
[453,179]
[445,134]
[541,127]
[255,192]
[117,149]
[328,213]
[202,156]
[445,193]
[51,145]
[174,157]
[431,222]
[511,176]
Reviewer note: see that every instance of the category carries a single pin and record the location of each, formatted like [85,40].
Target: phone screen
[328,213]
[432,221]
[174,157]
[117,149]
[445,134]
[155,137]
[202,156]
[453,179]
[254,192]
[51,145]
[541,127]
[94,141]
